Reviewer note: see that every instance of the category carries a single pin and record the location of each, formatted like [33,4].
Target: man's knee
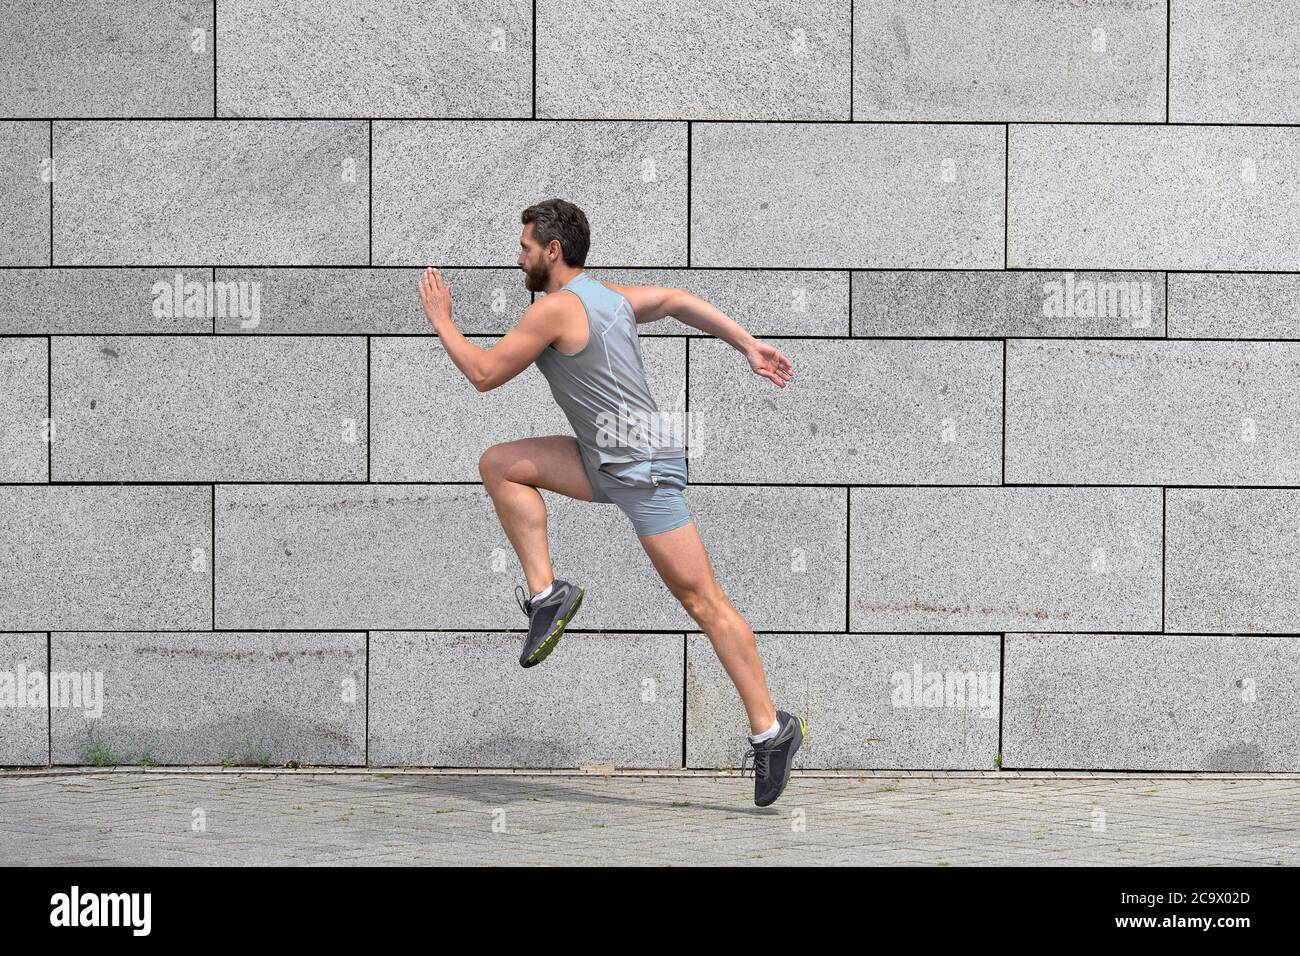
[490,464]
[703,603]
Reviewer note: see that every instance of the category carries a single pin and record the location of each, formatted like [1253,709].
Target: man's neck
[559,280]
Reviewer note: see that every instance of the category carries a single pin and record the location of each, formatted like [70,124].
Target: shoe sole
[548,645]
[789,767]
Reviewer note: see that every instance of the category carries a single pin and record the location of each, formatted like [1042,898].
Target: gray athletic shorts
[648,492]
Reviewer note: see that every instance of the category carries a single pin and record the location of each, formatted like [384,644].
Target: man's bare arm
[513,352]
[652,302]
[706,317]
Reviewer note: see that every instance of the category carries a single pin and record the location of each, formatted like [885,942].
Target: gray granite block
[105,557]
[104,301]
[1232,560]
[462,700]
[209,698]
[366,59]
[839,195]
[1234,61]
[107,58]
[999,303]
[1234,306]
[1151,702]
[373,301]
[226,192]
[1009,60]
[451,192]
[24,700]
[795,584]
[779,553]
[24,404]
[855,411]
[990,559]
[431,424]
[870,701]
[1153,197]
[1152,413]
[25,198]
[486,301]
[765,59]
[371,556]
[209,408]
[432,556]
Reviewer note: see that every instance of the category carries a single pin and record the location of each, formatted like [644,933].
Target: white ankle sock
[769,733]
[543,592]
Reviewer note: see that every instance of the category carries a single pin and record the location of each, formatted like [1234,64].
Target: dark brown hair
[558,219]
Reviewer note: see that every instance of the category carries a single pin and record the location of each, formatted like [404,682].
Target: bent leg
[512,472]
[684,565]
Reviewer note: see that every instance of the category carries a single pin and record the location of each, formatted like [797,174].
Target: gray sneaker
[774,758]
[547,619]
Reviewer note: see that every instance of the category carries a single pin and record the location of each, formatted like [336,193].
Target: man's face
[532,259]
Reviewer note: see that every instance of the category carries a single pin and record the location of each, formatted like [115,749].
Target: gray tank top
[602,387]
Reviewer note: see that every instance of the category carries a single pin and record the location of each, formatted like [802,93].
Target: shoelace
[521,596]
[762,760]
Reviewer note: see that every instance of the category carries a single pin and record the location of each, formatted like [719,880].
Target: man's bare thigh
[682,561]
[552,462]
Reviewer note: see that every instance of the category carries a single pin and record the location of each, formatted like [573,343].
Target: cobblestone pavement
[152,817]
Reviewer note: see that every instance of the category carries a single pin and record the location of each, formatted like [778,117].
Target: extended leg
[684,565]
[512,472]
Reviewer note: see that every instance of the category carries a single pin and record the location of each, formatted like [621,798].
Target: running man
[582,335]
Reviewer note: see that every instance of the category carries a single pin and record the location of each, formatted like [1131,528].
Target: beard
[535,279]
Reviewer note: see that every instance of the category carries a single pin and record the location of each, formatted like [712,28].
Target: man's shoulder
[553,303]
[622,289]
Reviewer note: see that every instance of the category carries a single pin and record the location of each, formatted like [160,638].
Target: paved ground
[206,816]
